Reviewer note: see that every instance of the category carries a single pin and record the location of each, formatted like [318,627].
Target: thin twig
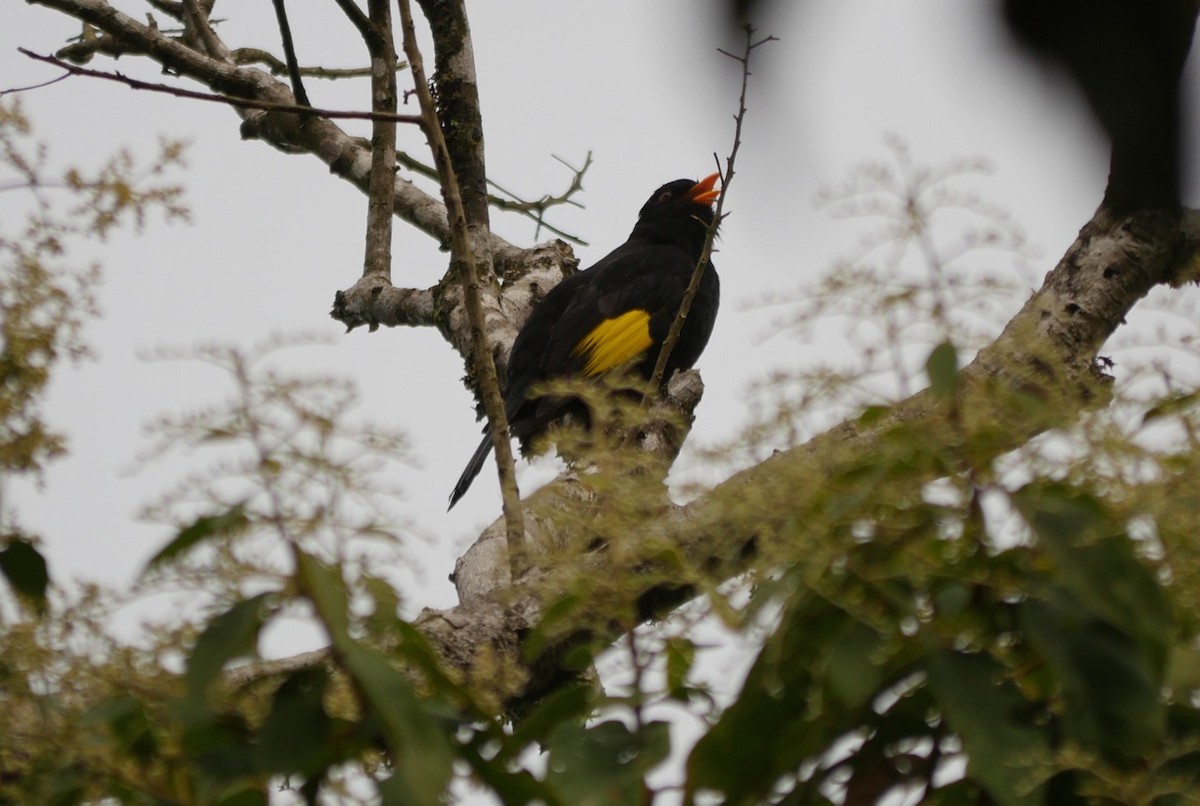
[463,253]
[244,56]
[534,210]
[356,17]
[289,54]
[63,77]
[231,100]
[660,366]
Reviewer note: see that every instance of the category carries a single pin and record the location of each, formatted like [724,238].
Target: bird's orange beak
[702,192]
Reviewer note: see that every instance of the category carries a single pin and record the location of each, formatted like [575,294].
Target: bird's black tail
[471,470]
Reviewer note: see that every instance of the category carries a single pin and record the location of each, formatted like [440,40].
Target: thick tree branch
[1048,352]
[374,301]
[458,103]
[378,254]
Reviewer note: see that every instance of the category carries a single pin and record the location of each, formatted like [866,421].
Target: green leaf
[415,648]
[942,368]
[572,705]
[851,674]
[1111,697]
[125,718]
[781,717]
[562,611]
[507,781]
[327,592]
[419,747]
[225,524]
[986,710]
[25,569]
[245,795]
[1170,406]
[1097,564]
[870,415]
[606,763]
[230,635]
[297,733]
[220,746]
[681,654]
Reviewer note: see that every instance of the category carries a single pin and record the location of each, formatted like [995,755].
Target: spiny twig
[669,342]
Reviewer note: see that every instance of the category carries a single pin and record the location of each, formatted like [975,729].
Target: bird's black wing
[622,311]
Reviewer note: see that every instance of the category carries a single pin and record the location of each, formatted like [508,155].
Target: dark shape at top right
[1127,58]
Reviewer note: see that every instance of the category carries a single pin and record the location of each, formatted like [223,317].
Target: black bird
[615,314]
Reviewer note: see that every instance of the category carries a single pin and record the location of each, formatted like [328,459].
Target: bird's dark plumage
[615,314]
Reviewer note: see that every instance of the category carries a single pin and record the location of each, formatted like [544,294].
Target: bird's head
[679,212]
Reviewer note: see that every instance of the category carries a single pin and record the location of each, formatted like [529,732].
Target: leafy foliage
[935,618]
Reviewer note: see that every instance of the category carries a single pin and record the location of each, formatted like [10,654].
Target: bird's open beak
[702,192]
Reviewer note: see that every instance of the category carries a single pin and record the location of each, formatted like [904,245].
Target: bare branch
[356,16]
[373,301]
[37,86]
[660,366]
[463,254]
[198,23]
[231,100]
[289,54]
[345,156]
[279,68]
[534,210]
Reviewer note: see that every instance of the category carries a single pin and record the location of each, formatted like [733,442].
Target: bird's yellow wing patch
[615,342]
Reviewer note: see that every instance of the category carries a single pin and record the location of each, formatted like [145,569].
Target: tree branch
[685,305]
[277,67]
[1048,352]
[231,100]
[196,18]
[360,20]
[289,54]
[458,103]
[345,157]
[377,259]
[465,254]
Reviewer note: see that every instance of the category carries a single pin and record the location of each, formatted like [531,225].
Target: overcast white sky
[638,84]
